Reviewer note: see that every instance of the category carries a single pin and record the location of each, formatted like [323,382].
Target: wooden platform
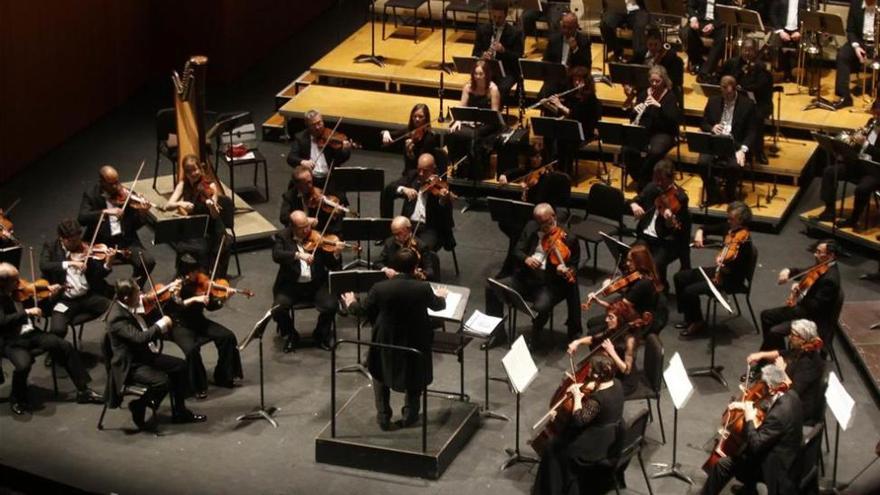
[866,238]
[251,228]
[856,320]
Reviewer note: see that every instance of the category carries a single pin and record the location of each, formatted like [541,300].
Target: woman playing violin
[588,435]
[541,182]
[309,148]
[639,285]
[192,328]
[729,272]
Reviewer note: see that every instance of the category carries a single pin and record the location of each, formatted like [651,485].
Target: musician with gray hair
[309,148]
[771,445]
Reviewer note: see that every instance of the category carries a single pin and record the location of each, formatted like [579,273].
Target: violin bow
[33,280]
[810,269]
[409,133]
[216,263]
[134,183]
[546,166]
[152,285]
[11,206]
[94,236]
[332,132]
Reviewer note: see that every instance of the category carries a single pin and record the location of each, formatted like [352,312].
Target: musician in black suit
[860,47]
[537,279]
[771,446]
[636,17]
[660,53]
[119,228]
[306,148]
[550,12]
[756,82]
[784,19]
[401,237]
[702,24]
[569,46]
[431,212]
[397,309]
[817,305]
[728,114]
[18,336]
[503,42]
[300,195]
[302,278]
[63,262]
[132,361]
[666,232]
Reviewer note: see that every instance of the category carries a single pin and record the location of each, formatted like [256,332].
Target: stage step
[869,227]
[273,128]
[293,88]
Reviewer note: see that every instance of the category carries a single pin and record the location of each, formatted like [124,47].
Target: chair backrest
[166,123]
[653,365]
[661,315]
[633,434]
[106,352]
[227,211]
[751,265]
[806,466]
[606,202]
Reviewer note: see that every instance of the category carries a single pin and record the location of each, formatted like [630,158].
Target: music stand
[673,10]
[465,65]
[510,211]
[515,302]
[357,281]
[443,66]
[477,116]
[680,391]
[635,75]
[358,180]
[521,371]
[708,90]
[822,23]
[618,249]
[372,58]
[553,74]
[365,229]
[176,229]
[834,148]
[11,255]
[621,135]
[714,146]
[712,371]
[257,333]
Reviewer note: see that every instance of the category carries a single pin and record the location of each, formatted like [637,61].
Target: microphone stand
[372,58]
[444,66]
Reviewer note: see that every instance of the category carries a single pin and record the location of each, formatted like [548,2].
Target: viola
[558,252]
[808,278]
[218,288]
[612,287]
[327,242]
[731,436]
[333,139]
[39,290]
[668,200]
[733,243]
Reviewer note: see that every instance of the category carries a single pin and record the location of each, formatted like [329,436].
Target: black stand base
[356,368]
[710,371]
[672,470]
[260,414]
[820,102]
[514,457]
[379,60]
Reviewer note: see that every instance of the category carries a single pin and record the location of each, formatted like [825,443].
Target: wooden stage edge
[865,238]
[863,342]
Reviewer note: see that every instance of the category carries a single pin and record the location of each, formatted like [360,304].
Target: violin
[136,201]
[532,178]
[808,278]
[731,436]
[612,287]
[98,252]
[327,203]
[218,288]
[38,290]
[668,200]
[334,140]
[327,242]
[160,295]
[558,252]
[436,186]
[733,243]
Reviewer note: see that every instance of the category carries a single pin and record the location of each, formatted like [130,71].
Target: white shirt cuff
[855,44]
[65,264]
[162,324]
[399,189]
[744,148]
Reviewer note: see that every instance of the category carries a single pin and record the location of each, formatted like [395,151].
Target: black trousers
[664,253]
[161,374]
[865,185]
[638,20]
[722,168]
[311,292]
[776,325]
[776,49]
[191,338]
[695,50]
[642,169]
[544,297]
[138,251]
[382,393]
[550,13]
[846,62]
[477,145]
[727,468]
[689,286]
[91,304]
[18,351]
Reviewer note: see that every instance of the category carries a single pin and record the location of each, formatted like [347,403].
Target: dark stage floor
[60,441]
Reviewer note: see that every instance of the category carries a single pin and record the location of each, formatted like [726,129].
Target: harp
[189,106]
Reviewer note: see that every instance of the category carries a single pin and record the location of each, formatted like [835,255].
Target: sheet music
[840,402]
[481,324]
[677,381]
[519,365]
[453,299]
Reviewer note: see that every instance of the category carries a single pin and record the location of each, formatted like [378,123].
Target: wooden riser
[866,238]
[273,128]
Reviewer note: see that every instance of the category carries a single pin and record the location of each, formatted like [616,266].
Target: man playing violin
[19,336]
[303,265]
[732,262]
[771,445]
[119,228]
[310,148]
[401,237]
[814,301]
[192,329]
[545,186]
[428,203]
[665,227]
[67,262]
[538,279]
[302,195]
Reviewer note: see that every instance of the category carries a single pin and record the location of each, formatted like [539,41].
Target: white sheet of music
[840,402]
[680,387]
[519,365]
[452,301]
[481,324]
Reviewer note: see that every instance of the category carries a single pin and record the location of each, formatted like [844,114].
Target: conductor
[397,308]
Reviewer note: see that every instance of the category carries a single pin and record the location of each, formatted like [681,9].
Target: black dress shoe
[138,408]
[693,330]
[202,394]
[842,103]
[89,396]
[849,223]
[19,408]
[324,344]
[384,423]
[289,345]
[827,215]
[409,421]
[188,416]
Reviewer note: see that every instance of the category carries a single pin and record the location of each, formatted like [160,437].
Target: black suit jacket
[52,261]
[93,202]
[511,40]
[778,12]
[822,296]
[582,56]
[673,64]
[128,345]
[438,214]
[291,200]
[429,262]
[757,80]
[855,22]
[697,8]
[775,444]
[301,149]
[398,311]
[744,125]
[12,317]
[284,253]
[734,271]
[646,198]
[526,246]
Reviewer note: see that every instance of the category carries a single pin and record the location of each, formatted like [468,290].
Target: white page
[519,365]
[481,324]
[677,381]
[840,402]
[452,301]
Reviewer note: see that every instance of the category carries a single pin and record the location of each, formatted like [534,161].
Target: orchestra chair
[242,133]
[630,439]
[805,469]
[76,325]
[604,202]
[473,7]
[35,352]
[450,246]
[744,290]
[166,123]
[827,333]
[303,306]
[128,390]
[413,5]
[808,429]
[651,379]
[227,214]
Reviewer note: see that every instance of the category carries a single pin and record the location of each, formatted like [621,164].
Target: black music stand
[709,90]
[465,65]
[713,145]
[365,229]
[621,135]
[635,75]
[822,23]
[553,74]
[477,116]
[372,58]
[443,66]
[257,333]
[514,302]
[835,149]
[358,180]
[177,229]
[737,20]
[510,211]
[11,255]
[618,249]
[359,282]
[673,10]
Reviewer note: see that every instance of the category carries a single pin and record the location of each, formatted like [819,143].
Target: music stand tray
[178,229]
[551,73]
[563,130]
[635,75]
[365,229]
[821,23]
[465,65]
[509,210]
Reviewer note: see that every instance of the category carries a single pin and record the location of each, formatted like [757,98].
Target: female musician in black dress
[581,105]
[642,286]
[479,92]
